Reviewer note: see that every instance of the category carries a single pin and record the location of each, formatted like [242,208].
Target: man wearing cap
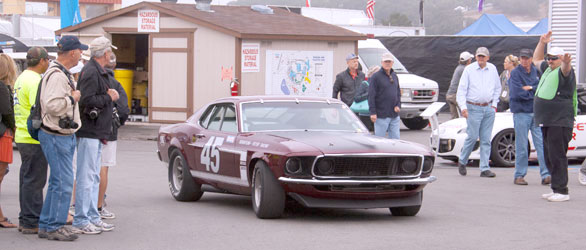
[348,80]
[555,106]
[522,85]
[384,99]
[465,59]
[60,112]
[478,96]
[96,104]
[33,168]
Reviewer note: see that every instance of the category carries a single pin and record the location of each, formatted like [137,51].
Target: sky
[126,3]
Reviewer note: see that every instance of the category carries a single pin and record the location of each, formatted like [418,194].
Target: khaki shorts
[109,154]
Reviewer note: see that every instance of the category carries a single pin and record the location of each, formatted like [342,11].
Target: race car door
[215,160]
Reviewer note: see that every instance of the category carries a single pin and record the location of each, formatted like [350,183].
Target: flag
[307,3]
[70,14]
[370,9]
[480,4]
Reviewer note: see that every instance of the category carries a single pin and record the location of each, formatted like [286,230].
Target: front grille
[423,94]
[446,145]
[378,166]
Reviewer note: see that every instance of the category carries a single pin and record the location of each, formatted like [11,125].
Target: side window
[229,124]
[216,118]
[205,118]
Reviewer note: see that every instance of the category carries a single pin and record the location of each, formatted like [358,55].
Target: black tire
[268,196]
[406,211]
[182,185]
[416,123]
[502,151]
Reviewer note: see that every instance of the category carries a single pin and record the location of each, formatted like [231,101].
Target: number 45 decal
[210,150]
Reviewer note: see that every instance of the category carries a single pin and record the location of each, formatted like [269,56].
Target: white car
[453,133]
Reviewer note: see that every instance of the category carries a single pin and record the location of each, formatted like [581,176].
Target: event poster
[301,73]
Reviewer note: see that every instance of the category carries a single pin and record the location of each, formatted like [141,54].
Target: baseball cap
[482,51]
[351,56]
[387,57]
[86,55]
[555,51]
[465,56]
[101,43]
[77,68]
[35,54]
[526,53]
[67,43]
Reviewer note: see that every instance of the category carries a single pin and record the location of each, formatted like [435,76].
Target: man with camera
[96,104]
[60,113]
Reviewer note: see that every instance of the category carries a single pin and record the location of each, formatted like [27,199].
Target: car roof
[239,99]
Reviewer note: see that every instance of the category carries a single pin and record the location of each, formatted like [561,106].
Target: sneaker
[104,226]
[105,214]
[487,173]
[546,196]
[559,197]
[61,234]
[42,233]
[582,178]
[87,229]
[462,169]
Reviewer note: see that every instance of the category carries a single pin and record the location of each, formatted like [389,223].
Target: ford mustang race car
[453,133]
[308,149]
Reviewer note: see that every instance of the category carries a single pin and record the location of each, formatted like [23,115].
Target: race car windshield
[302,116]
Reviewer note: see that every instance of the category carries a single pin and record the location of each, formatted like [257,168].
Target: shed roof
[241,22]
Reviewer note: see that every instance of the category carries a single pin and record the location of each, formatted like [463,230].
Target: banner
[69,13]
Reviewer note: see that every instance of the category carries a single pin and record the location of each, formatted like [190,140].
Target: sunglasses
[552,58]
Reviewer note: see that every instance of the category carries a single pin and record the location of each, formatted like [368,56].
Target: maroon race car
[313,150]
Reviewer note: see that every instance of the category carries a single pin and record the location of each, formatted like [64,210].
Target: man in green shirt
[33,171]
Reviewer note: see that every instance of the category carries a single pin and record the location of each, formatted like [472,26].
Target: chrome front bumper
[417,181]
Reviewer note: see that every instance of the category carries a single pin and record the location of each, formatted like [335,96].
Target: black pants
[367,122]
[33,176]
[555,147]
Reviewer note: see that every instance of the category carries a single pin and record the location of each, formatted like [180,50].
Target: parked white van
[417,93]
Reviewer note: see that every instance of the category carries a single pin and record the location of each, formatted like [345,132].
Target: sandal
[6,223]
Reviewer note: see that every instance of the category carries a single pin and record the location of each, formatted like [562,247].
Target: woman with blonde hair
[7,126]
[510,63]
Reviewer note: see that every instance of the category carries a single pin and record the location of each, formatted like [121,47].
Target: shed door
[171,81]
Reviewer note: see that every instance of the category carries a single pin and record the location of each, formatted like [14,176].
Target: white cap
[387,57]
[555,51]
[465,56]
[86,55]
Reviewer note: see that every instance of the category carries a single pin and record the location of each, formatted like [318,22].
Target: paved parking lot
[458,213]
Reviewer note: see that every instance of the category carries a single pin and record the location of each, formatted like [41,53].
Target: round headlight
[293,166]
[409,166]
[325,167]
[427,164]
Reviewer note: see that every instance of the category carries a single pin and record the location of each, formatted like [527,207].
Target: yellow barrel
[125,76]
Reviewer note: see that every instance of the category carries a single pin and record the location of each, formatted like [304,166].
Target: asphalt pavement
[457,213]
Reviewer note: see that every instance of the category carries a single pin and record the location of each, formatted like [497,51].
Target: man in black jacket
[96,105]
[348,80]
[384,100]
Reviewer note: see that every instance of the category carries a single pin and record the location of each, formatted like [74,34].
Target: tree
[397,19]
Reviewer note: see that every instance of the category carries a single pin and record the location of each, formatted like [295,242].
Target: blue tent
[540,28]
[491,24]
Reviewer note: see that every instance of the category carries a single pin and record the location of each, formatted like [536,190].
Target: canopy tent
[540,28]
[491,25]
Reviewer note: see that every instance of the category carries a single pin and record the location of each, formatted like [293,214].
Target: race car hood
[349,143]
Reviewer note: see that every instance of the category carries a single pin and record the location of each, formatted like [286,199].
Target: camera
[93,113]
[116,118]
[68,123]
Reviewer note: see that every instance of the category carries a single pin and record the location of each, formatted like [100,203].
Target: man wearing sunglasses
[555,106]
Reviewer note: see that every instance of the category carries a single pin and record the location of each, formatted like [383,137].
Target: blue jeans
[87,182]
[388,124]
[480,120]
[58,150]
[524,123]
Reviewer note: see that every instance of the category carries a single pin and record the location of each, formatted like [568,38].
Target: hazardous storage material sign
[250,57]
[148,21]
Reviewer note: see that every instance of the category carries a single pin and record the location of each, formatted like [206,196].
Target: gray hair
[99,53]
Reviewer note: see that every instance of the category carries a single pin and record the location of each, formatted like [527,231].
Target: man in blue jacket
[522,85]
[384,99]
